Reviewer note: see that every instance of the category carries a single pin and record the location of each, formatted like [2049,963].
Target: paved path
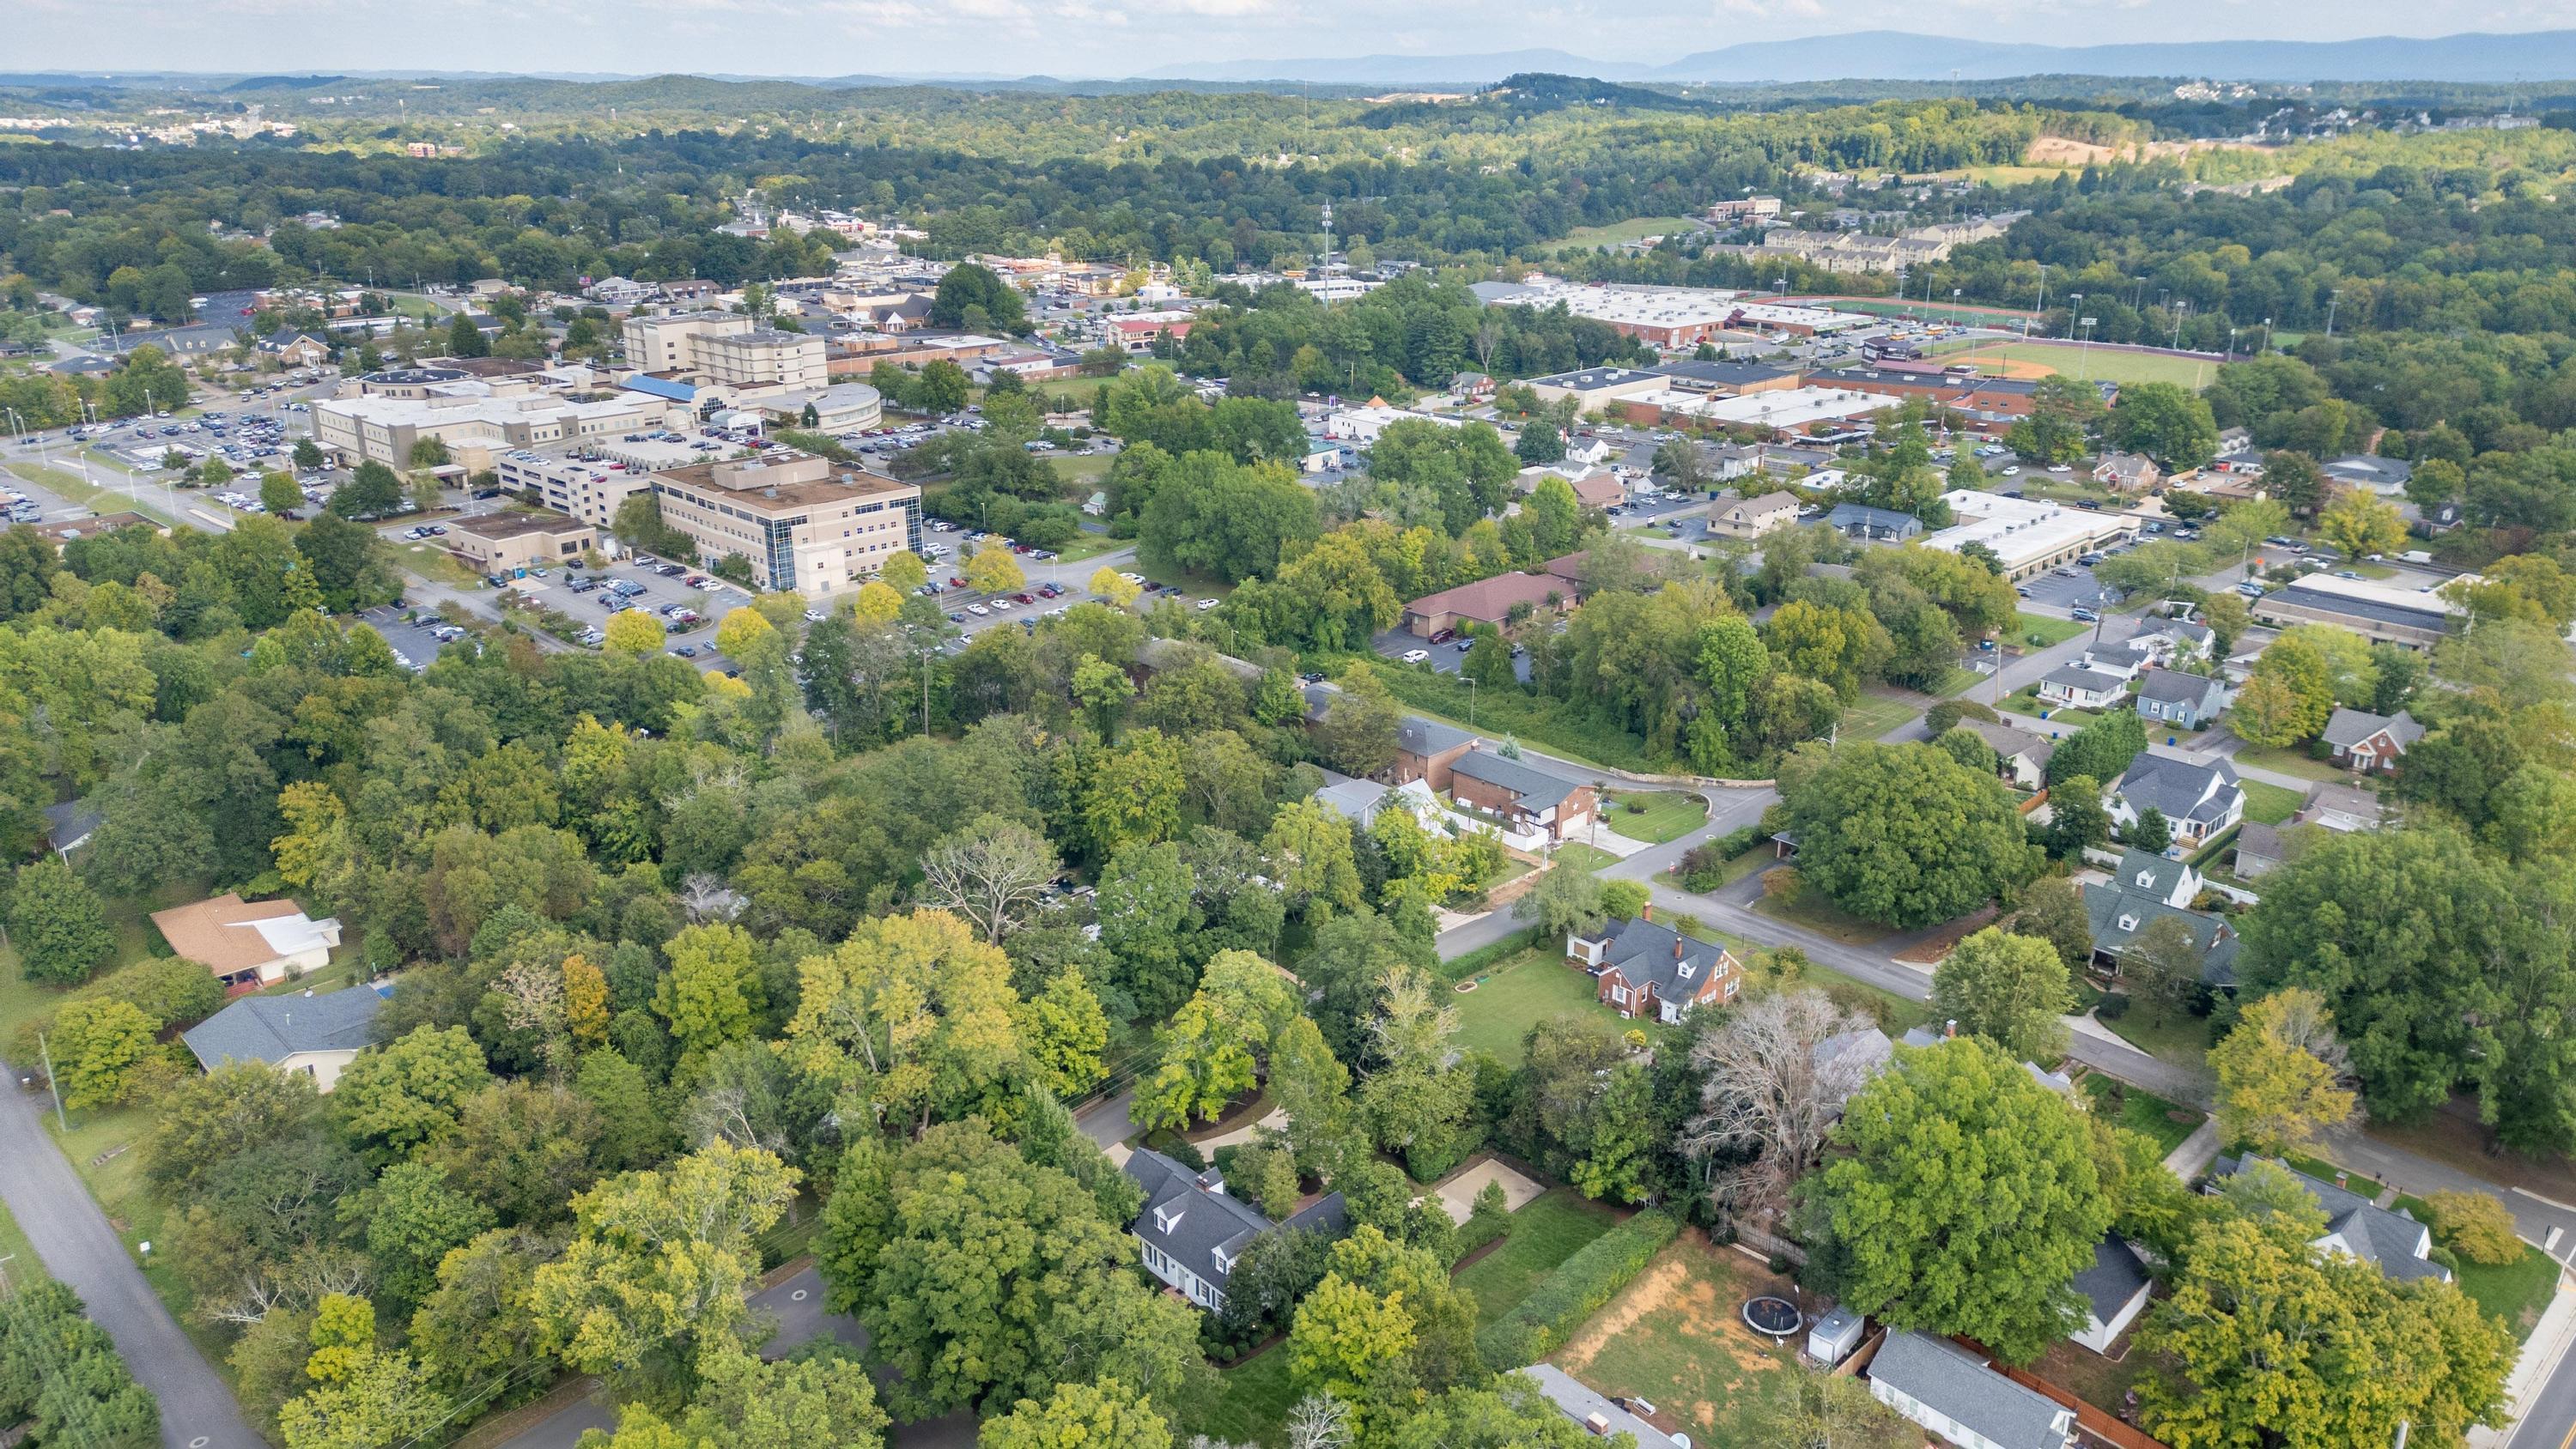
[79,1249]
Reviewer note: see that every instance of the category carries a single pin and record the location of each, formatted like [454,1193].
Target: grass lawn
[136,1215]
[1634,229]
[2182,1039]
[1253,1400]
[1582,857]
[2299,763]
[2095,363]
[2050,630]
[2023,702]
[1872,715]
[17,1255]
[2167,1122]
[1519,992]
[437,565]
[1083,547]
[1084,469]
[1893,1013]
[1676,1336]
[1547,1230]
[2517,1292]
[1810,909]
[1668,814]
[2324,1171]
[2101,1382]
[67,485]
[2270,804]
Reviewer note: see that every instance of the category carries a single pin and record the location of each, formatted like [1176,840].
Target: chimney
[1648,914]
[1950,1028]
[1677,946]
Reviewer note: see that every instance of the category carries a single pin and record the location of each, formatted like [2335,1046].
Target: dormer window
[1224,1261]
[1686,971]
[2147,878]
[2128,923]
[1166,1219]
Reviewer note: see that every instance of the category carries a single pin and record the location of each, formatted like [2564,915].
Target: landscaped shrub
[2476,1225]
[1580,1287]
[1491,1218]
[2112,1006]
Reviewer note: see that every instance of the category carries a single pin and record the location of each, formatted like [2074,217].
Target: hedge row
[1580,1287]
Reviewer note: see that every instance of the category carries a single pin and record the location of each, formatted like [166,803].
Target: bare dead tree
[707,898]
[1770,1091]
[994,873]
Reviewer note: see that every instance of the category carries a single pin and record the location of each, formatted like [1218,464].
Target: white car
[2012,472]
[1133,578]
[1206,604]
[979,611]
[1416,656]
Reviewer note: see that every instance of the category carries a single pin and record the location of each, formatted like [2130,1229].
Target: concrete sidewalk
[2541,1355]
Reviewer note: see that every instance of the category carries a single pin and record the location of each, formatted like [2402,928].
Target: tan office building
[804,524]
[474,426]
[497,543]
[726,348]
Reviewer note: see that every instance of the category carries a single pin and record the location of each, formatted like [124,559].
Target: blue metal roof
[661,387]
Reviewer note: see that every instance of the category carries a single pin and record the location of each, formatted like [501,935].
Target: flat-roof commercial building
[1665,317]
[1592,387]
[1782,411]
[497,543]
[726,348]
[474,426]
[2376,612]
[2028,535]
[804,524]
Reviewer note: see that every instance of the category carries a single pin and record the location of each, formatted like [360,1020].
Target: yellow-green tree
[2362,524]
[1107,583]
[1343,1336]
[1106,1415]
[917,1011]
[99,1049]
[877,602]
[904,572]
[2280,1078]
[712,990]
[632,631]
[993,570]
[1066,1033]
[585,997]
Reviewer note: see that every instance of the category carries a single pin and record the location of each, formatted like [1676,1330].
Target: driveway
[76,1245]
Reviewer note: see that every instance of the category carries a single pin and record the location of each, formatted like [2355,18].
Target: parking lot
[1394,644]
[2055,593]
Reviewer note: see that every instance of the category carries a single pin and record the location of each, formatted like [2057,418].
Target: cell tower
[1327,264]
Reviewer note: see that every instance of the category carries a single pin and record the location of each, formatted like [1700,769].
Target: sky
[1092,38]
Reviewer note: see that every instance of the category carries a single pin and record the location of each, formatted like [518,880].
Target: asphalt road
[78,1248]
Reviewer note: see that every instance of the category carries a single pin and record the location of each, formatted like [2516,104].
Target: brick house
[1425,749]
[1486,601]
[2370,743]
[1528,797]
[1644,970]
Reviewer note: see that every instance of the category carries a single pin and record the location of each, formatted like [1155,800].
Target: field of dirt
[2059,151]
[1676,1336]
[1995,364]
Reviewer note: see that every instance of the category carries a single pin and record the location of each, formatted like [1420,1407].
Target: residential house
[1947,1390]
[1192,1234]
[1845,1063]
[1597,488]
[2358,1227]
[2261,849]
[2146,888]
[1599,1416]
[245,942]
[70,824]
[1528,797]
[1736,516]
[2126,658]
[2021,755]
[2114,1290]
[1587,452]
[2341,808]
[2127,472]
[296,349]
[1486,601]
[2383,476]
[2370,744]
[1865,524]
[2081,686]
[1425,749]
[2185,701]
[2198,801]
[2170,639]
[315,1036]
[1357,801]
[1474,387]
[1645,970]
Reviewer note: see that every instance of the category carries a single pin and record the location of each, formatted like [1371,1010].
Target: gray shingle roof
[2009,741]
[2105,907]
[2172,686]
[1642,950]
[2114,1279]
[1536,788]
[1944,1377]
[2346,728]
[1208,1220]
[1581,1403]
[2078,676]
[2377,1234]
[1418,736]
[1876,521]
[272,1028]
[2179,788]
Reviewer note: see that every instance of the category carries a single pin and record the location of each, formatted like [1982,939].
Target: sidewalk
[2541,1353]
[2194,1153]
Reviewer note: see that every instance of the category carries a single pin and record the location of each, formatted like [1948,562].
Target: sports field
[1634,229]
[2039,359]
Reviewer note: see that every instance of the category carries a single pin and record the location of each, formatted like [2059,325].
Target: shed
[1835,1335]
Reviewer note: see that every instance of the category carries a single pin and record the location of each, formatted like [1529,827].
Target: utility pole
[2331,303]
[43,1047]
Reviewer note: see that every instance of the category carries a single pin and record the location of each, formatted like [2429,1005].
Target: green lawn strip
[1894,1014]
[133,1211]
[2297,762]
[2182,1039]
[2142,1111]
[2064,721]
[1634,229]
[18,1263]
[2267,804]
[1810,909]
[72,488]
[1668,814]
[2050,630]
[1253,1400]
[1485,958]
[1871,715]
[1548,1229]
[2324,1171]
[1579,856]
[1085,546]
[2517,1292]
[1560,727]
[1519,992]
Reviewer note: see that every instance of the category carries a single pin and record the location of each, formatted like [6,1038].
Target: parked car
[1416,656]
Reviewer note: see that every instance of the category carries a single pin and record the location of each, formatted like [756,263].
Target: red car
[1023,599]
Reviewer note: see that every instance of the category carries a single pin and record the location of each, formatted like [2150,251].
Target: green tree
[410,1218]
[2166,421]
[1566,900]
[2150,832]
[1539,443]
[409,1092]
[712,990]
[2361,525]
[306,455]
[2052,910]
[278,493]
[57,924]
[371,492]
[1905,835]
[1967,1200]
[1079,1416]
[942,387]
[99,1048]
[2280,1075]
[2013,990]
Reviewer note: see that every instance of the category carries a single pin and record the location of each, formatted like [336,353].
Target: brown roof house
[245,942]
[1736,516]
[1486,601]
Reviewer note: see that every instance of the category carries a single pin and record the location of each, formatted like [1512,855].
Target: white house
[1190,1233]
[2114,1291]
[1946,1390]
[2198,801]
[2081,686]
[314,1036]
[245,941]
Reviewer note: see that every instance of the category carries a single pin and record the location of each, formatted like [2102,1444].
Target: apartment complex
[803,525]
[726,348]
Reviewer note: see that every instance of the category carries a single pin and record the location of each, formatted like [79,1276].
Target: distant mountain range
[1897,55]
